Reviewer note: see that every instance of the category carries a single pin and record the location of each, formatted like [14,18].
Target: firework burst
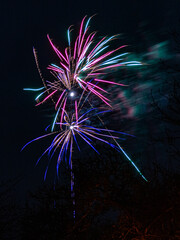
[77,126]
[81,69]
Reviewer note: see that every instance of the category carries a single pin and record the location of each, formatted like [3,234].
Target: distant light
[71,94]
[71,127]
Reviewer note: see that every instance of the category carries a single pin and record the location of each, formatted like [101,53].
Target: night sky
[24,24]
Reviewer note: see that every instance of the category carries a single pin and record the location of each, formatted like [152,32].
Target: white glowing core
[71,127]
[71,94]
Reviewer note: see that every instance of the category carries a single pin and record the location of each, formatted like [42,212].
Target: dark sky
[24,24]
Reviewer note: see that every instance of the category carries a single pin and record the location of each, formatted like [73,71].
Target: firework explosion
[81,69]
[81,72]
